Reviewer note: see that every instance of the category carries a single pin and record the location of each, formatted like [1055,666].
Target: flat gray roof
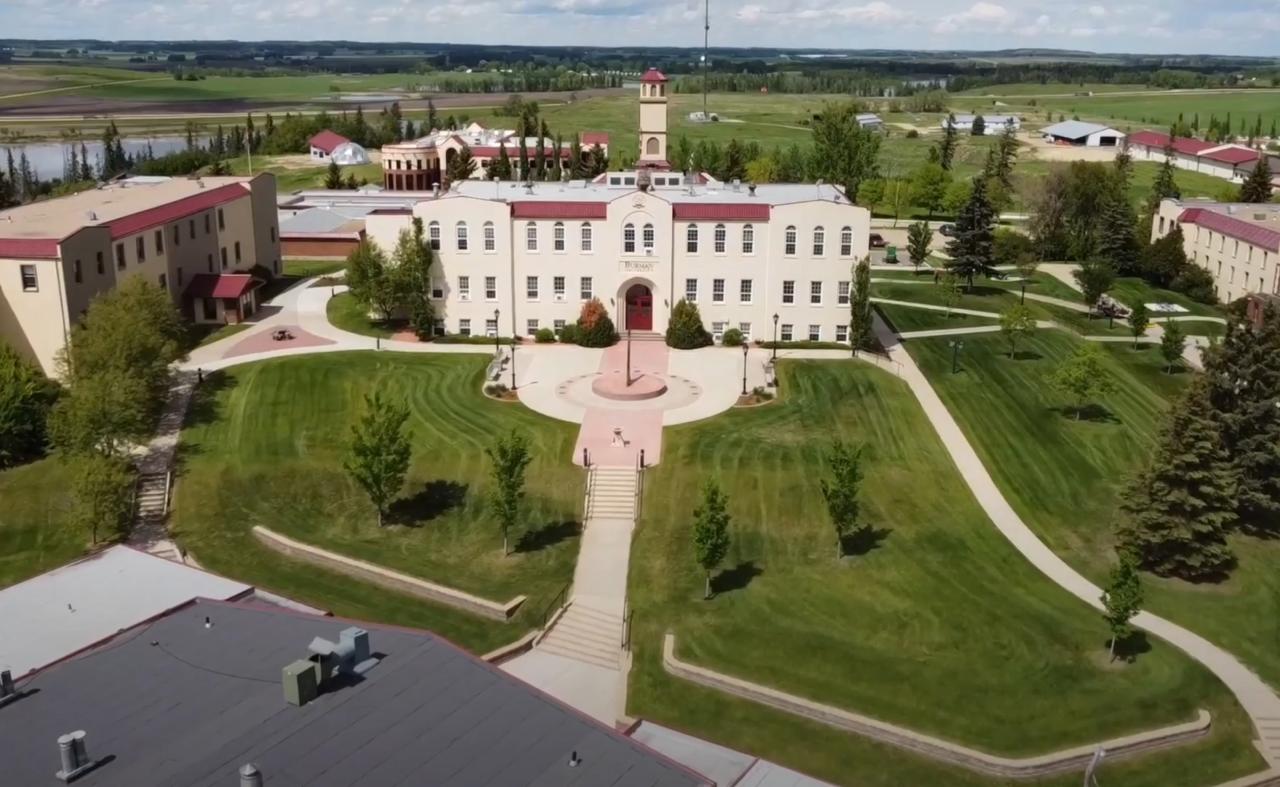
[81,603]
[176,702]
[584,191]
[1075,129]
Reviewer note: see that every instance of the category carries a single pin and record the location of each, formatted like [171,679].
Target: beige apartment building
[195,237]
[1238,243]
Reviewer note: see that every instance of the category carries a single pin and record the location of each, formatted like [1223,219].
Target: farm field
[1047,89]
[1158,111]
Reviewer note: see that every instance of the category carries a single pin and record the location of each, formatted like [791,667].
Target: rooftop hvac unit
[301,682]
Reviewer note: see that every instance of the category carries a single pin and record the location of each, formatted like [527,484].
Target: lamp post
[1023,297]
[513,363]
[497,348]
[745,347]
[956,347]
[628,357]
[774,357]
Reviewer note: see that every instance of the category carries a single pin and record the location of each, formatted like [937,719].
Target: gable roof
[653,75]
[327,141]
[1232,227]
[171,211]
[589,138]
[29,248]
[1230,154]
[1185,145]
[1074,129]
[220,285]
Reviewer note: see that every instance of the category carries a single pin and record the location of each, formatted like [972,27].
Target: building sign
[639,266]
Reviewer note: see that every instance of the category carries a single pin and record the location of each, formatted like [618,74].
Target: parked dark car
[877,240]
[948,230]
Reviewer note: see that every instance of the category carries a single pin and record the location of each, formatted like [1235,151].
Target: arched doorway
[639,308]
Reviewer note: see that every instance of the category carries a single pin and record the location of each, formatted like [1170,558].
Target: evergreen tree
[1257,187]
[970,248]
[685,330]
[557,161]
[1006,155]
[1164,187]
[540,152]
[599,161]
[1118,236]
[711,531]
[861,328]
[461,167]
[1175,514]
[333,176]
[682,154]
[501,169]
[735,161]
[947,148]
[86,169]
[979,127]
[8,192]
[577,168]
[525,174]
[433,117]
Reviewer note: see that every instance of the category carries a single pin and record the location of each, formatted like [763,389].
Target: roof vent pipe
[75,760]
[7,690]
[250,776]
[751,189]
[737,184]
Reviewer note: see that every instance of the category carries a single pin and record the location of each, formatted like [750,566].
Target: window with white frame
[815,293]
[464,327]
[842,333]
[464,288]
[721,238]
[629,239]
[491,328]
[691,239]
[717,290]
[530,236]
[490,237]
[462,236]
[691,290]
[744,291]
[815,333]
[557,326]
[585,288]
[433,235]
[530,327]
[531,287]
[846,241]
[745,329]
[842,293]
[647,238]
[557,236]
[491,288]
[437,289]
[784,333]
[717,330]
[819,241]
[585,237]
[788,292]
[557,287]
[30,282]
[789,241]
[748,239]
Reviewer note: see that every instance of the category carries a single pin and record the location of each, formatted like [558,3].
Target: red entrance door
[639,308]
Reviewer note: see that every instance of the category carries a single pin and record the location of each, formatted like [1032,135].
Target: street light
[745,347]
[497,348]
[513,363]
[956,347]
[774,359]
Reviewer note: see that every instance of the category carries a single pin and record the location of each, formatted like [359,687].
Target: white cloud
[979,17]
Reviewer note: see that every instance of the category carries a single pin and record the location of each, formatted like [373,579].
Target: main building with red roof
[1237,243]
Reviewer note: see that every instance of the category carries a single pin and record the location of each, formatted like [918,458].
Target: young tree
[379,453]
[1016,322]
[371,281]
[685,330]
[1122,599]
[509,456]
[1257,187]
[26,397]
[947,147]
[1005,155]
[101,494]
[860,322]
[1172,342]
[412,261]
[1139,320]
[951,291]
[594,328]
[840,490]
[1174,516]
[711,531]
[333,176]
[844,153]
[929,185]
[1082,376]
[1095,278]
[970,248]
[919,238]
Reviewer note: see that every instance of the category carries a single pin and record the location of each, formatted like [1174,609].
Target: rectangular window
[491,288]
[721,238]
[819,242]
[629,239]
[76,274]
[464,327]
[210,262]
[530,327]
[586,238]
[557,237]
[842,333]
[191,228]
[223,252]
[437,289]
[177,235]
[557,287]
[691,290]
[748,239]
[490,241]
[222,220]
[120,256]
[846,242]
[815,333]
[717,290]
[790,242]
[273,234]
[745,329]
[101,268]
[815,293]
[237,252]
[208,227]
[788,292]
[557,326]
[159,241]
[842,293]
[491,328]
[691,239]
[141,246]
[717,330]
[647,237]
[785,333]
[460,234]
[180,280]
[585,288]
[744,291]
[531,237]
[531,287]
[464,288]
[29,281]
[433,235]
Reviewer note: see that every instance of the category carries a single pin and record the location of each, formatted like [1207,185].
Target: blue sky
[1174,26]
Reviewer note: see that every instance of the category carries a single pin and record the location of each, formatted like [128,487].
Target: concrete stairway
[613,494]
[645,336]
[149,515]
[1269,739]
[589,635]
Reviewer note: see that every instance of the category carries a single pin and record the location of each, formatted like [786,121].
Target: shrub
[544,336]
[762,393]
[1196,283]
[595,329]
[569,334]
[26,396]
[686,332]
[912,133]
[262,272]
[732,338]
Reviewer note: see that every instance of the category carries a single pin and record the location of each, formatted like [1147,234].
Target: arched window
[789,242]
[846,241]
[490,242]
[461,231]
[691,239]
[586,236]
[651,147]
[557,236]
[531,236]
[629,239]
[721,238]
[433,235]
[748,239]
[647,237]
[819,241]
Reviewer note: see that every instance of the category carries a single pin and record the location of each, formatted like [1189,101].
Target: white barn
[1078,132]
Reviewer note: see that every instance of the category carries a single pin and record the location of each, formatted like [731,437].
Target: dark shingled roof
[174,703]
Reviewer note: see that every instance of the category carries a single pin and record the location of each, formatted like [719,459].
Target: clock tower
[653,118]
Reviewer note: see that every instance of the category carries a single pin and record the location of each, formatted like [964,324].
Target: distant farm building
[325,143]
[869,120]
[991,124]
[1077,132]
[1228,161]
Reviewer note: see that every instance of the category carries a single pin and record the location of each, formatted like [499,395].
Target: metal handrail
[627,614]
[587,499]
[168,488]
[639,486]
[556,603]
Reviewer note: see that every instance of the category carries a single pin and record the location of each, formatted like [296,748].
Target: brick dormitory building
[197,238]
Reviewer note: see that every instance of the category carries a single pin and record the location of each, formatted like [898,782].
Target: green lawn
[1063,476]
[905,318]
[1158,111]
[305,269]
[265,445]
[939,625]
[1132,291]
[1042,89]
[290,178]
[345,313]
[34,533]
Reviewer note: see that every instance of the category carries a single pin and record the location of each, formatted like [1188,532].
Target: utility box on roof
[301,682]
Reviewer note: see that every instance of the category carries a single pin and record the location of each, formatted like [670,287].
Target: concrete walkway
[1258,700]
[932,308]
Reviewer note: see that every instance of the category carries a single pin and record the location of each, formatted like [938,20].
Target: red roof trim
[1232,155]
[728,211]
[594,138]
[327,141]
[220,285]
[559,210]
[653,75]
[178,209]
[1154,139]
[29,248]
[1232,227]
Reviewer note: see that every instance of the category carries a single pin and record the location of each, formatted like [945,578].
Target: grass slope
[34,534]
[940,625]
[265,445]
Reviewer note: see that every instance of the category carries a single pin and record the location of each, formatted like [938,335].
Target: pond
[49,159]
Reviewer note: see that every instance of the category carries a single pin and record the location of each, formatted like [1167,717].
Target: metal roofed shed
[195,695]
[1078,132]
